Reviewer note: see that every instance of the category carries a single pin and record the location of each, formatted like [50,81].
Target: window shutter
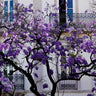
[6,10]
[70,10]
[11,10]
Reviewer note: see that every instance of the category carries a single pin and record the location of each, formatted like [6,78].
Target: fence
[83,18]
[68,84]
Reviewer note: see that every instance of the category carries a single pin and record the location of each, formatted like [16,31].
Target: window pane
[70,3]
[6,10]
[70,14]
[11,10]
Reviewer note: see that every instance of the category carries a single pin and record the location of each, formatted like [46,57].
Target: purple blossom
[93,89]
[93,73]
[86,11]
[81,60]
[38,36]
[43,40]
[6,46]
[45,85]
[32,36]
[54,5]
[71,60]
[74,70]
[20,45]
[0,74]
[46,49]
[56,21]
[90,95]
[17,52]
[30,65]
[5,34]
[44,61]
[29,48]
[27,39]
[25,52]
[52,50]
[0,4]
[42,95]
[23,35]
[46,24]
[30,10]
[35,74]
[5,79]
[53,14]
[50,72]
[46,9]
[1,47]
[62,53]
[30,6]
[1,62]
[36,68]
[94,34]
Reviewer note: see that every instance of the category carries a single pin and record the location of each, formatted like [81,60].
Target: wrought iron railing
[18,79]
[81,19]
[68,84]
[84,18]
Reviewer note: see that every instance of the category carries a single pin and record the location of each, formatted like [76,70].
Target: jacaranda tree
[36,41]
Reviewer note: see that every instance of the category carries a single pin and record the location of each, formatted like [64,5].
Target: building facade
[78,10]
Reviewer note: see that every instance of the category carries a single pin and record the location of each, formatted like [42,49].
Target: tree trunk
[0,90]
[62,11]
[53,90]
[34,91]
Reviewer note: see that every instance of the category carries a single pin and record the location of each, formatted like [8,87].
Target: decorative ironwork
[77,17]
[83,17]
[68,84]
[18,79]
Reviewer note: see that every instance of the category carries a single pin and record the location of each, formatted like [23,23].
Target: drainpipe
[62,11]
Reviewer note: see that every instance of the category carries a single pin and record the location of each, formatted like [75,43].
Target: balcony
[82,18]
[18,80]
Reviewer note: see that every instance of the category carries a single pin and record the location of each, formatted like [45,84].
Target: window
[19,81]
[8,8]
[62,10]
[7,70]
[70,10]
[67,84]
[11,10]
